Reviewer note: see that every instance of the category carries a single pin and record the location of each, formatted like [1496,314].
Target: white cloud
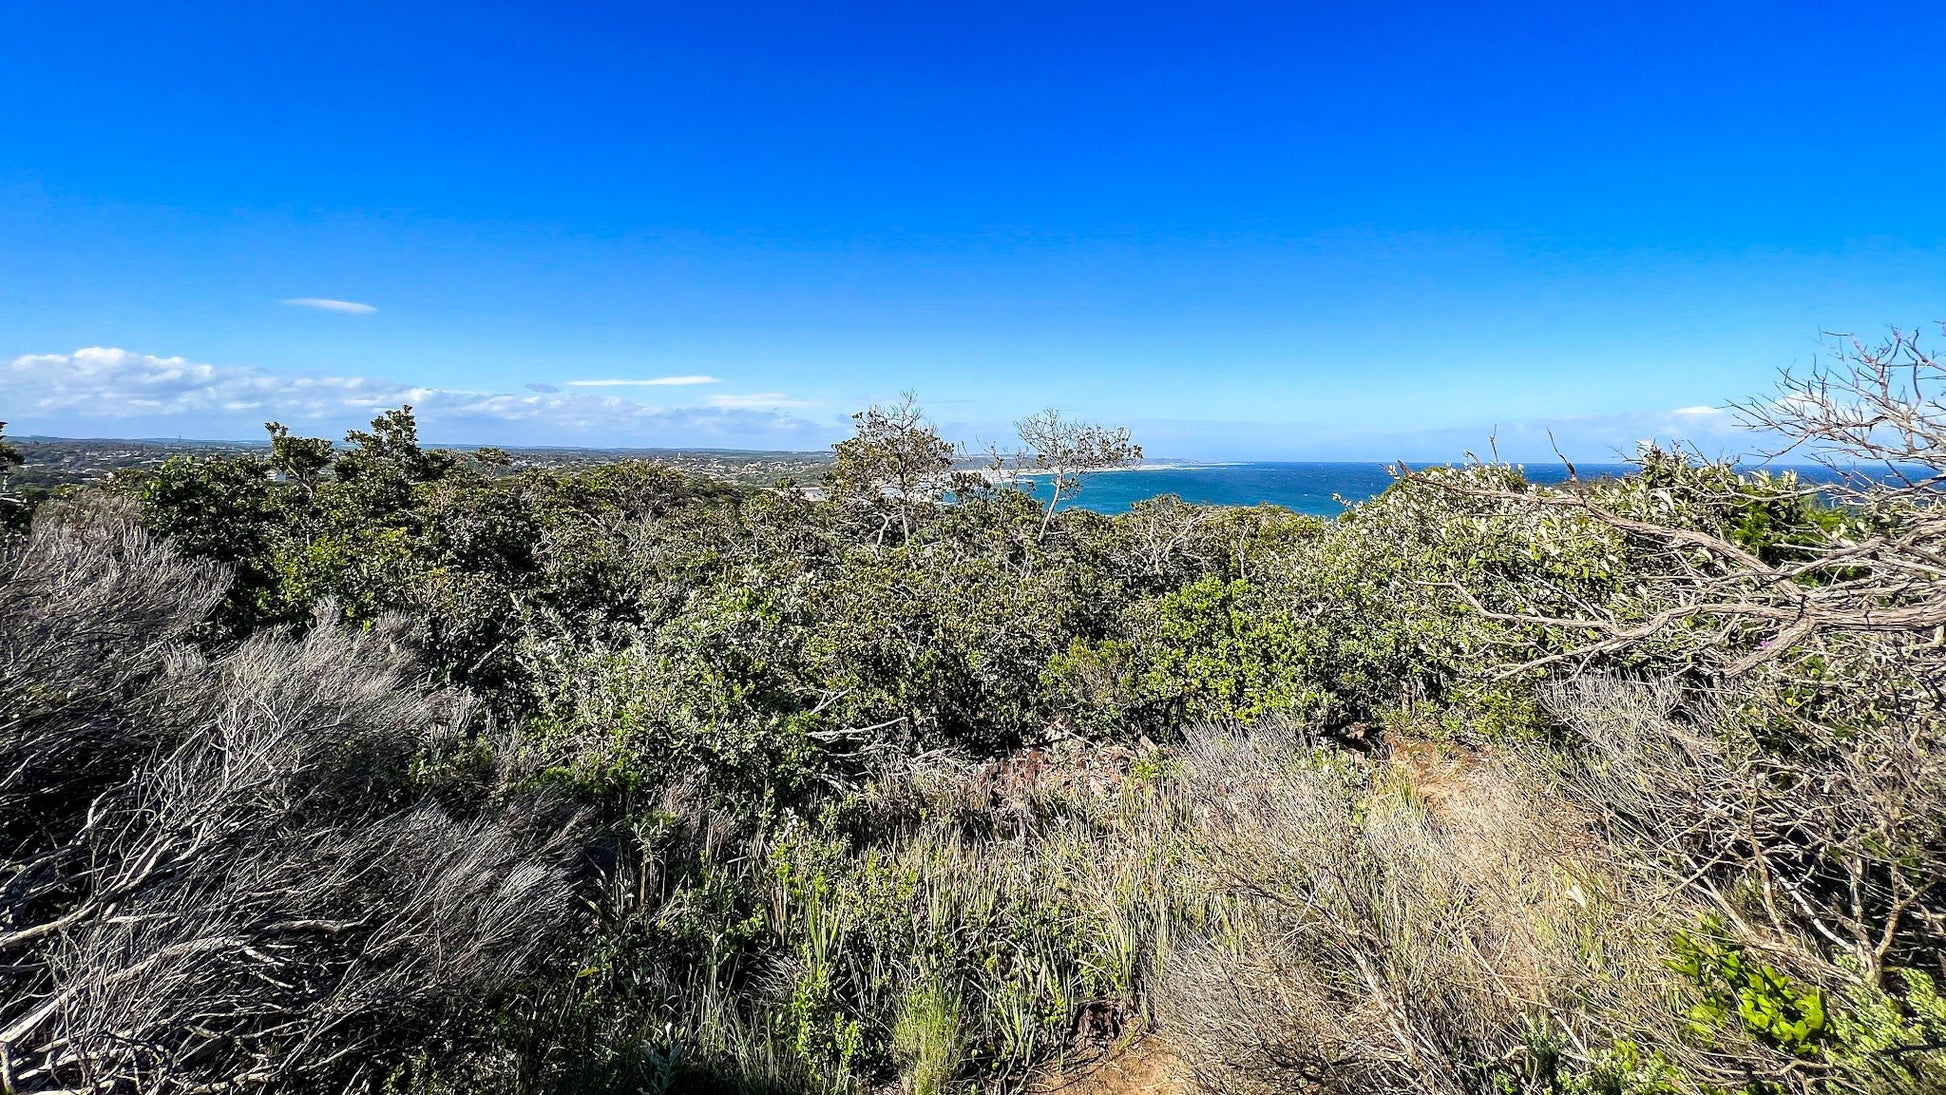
[326,304]
[652,382]
[760,401]
[1697,411]
[102,391]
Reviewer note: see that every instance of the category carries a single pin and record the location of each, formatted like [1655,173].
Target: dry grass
[1387,935]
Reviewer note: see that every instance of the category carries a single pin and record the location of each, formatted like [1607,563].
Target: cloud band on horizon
[650,382]
[105,388]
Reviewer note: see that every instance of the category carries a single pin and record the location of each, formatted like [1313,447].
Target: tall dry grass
[1390,927]
[1293,917]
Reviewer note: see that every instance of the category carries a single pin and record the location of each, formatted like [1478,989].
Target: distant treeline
[52,462]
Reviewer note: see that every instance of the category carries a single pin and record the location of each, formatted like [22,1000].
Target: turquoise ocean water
[1304,487]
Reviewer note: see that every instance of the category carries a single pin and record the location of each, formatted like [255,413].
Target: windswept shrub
[251,890]
[91,607]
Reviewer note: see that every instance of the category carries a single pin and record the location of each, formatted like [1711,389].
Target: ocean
[1313,488]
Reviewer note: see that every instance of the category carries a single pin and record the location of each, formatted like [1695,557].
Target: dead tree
[1867,559]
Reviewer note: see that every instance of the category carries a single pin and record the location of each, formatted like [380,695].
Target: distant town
[57,461]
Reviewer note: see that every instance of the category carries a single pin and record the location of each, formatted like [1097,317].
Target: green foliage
[16,509]
[225,508]
[945,645]
[1624,1069]
[1208,651]
[1344,622]
[1874,1038]
[692,702]
[1895,1039]
[1768,1004]
[1547,1067]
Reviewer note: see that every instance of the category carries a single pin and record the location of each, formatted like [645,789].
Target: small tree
[10,458]
[391,450]
[896,463]
[302,460]
[1067,451]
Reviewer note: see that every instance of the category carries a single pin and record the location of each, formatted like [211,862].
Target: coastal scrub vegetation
[368,766]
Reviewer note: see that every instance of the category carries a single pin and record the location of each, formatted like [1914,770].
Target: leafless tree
[1871,564]
[1873,413]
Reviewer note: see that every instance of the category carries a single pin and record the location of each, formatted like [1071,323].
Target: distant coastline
[1318,488]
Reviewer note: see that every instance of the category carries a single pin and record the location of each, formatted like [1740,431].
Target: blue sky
[1332,231]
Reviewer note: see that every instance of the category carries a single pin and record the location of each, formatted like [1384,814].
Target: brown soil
[1144,1065]
[1440,773]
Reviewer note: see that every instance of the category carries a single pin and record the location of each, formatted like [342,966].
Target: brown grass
[1394,925]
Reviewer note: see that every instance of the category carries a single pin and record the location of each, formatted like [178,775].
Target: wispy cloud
[325,304]
[1698,411]
[102,391]
[651,382]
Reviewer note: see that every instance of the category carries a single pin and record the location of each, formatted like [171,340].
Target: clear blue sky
[1345,230]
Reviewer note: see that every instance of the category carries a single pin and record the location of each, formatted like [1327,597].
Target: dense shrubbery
[384,767]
